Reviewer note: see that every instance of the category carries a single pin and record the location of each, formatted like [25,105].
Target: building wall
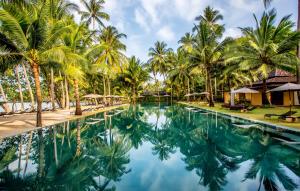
[256,99]
[226,97]
[286,98]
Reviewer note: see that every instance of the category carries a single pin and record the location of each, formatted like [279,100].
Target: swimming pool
[151,147]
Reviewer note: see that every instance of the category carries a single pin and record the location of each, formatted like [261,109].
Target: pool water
[150,147]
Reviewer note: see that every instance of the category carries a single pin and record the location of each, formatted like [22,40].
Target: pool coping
[105,109]
[271,125]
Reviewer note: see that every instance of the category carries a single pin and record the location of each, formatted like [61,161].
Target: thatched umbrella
[93,96]
[288,87]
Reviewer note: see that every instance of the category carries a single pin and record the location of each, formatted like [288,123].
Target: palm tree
[74,63]
[180,70]
[186,42]
[135,76]
[208,52]
[266,4]
[158,59]
[108,54]
[211,17]
[267,47]
[31,38]
[94,12]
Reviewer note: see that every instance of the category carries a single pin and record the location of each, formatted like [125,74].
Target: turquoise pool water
[151,147]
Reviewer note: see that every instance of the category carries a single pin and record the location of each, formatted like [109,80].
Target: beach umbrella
[288,87]
[245,91]
[188,95]
[92,96]
[166,95]
[204,93]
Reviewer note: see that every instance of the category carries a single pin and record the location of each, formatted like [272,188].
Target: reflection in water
[148,148]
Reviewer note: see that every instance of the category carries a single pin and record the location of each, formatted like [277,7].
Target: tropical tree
[29,37]
[180,70]
[267,47]
[94,12]
[108,54]
[208,52]
[135,76]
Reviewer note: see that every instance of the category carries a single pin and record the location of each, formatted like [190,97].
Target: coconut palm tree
[74,61]
[186,42]
[108,54]
[211,17]
[135,76]
[267,47]
[94,12]
[180,70]
[29,37]
[208,52]
[266,4]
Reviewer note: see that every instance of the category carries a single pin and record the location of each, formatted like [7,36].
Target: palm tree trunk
[20,155]
[209,88]
[104,89]
[36,75]
[63,97]
[264,92]
[20,88]
[298,28]
[5,104]
[188,84]
[67,94]
[77,98]
[28,87]
[52,89]
[28,152]
[78,139]
[41,155]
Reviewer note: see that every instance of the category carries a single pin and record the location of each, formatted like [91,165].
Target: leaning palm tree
[267,47]
[29,37]
[94,12]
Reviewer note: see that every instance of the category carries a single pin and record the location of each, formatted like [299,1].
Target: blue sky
[146,21]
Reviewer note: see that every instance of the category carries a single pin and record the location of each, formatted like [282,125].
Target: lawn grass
[256,114]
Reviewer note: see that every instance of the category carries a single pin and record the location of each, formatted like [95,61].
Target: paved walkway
[17,124]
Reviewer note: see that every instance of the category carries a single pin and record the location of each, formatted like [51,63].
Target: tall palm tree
[158,59]
[109,53]
[135,76]
[94,12]
[186,42]
[74,61]
[266,4]
[267,47]
[208,52]
[180,70]
[29,37]
[211,17]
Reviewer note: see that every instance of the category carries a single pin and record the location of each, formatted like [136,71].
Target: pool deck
[18,124]
[295,127]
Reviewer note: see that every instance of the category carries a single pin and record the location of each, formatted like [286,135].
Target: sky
[147,21]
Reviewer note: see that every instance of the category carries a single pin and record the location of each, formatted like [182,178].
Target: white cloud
[188,10]
[166,33]
[141,20]
[232,32]
[251,6]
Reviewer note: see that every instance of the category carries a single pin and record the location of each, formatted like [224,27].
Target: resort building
[276,79]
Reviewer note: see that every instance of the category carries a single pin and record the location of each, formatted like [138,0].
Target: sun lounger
[237,107]
[280,116]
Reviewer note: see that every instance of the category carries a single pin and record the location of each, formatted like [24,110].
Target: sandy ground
[17,124]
